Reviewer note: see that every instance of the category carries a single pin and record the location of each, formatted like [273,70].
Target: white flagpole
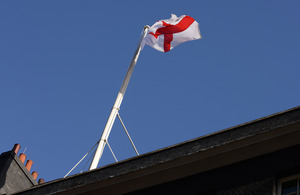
[116,107]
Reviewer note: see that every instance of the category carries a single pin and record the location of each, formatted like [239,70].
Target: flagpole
[117,104]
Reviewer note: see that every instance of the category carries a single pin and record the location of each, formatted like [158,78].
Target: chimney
[41,181]
[34,175]
[22,157]
[15,178]
[16,148]
[28,165]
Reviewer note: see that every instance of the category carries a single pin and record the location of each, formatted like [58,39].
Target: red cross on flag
[164,35]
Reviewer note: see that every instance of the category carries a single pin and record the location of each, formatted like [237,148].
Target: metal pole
[117,104]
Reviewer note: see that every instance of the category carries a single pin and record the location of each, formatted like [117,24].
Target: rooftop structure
[258,157]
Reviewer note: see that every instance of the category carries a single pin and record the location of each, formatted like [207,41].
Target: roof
[222,148]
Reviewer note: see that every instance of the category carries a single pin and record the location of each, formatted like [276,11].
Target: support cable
[111,151]
[128,134]
[81,159]
[88,161]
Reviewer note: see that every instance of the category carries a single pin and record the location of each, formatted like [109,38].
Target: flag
[165,34]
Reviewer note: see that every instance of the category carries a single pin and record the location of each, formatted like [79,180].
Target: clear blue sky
[63,62]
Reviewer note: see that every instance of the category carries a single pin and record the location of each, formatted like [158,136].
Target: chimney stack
[29,163]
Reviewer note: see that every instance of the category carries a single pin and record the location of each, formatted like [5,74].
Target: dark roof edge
[219,138]
[288,112]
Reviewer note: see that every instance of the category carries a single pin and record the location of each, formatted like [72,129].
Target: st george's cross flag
[164,35]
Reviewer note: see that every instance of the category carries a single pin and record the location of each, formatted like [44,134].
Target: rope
[81,160]
[111,151]
[128,134]
[88,161]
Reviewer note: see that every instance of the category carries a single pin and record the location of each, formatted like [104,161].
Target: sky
[62,64]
